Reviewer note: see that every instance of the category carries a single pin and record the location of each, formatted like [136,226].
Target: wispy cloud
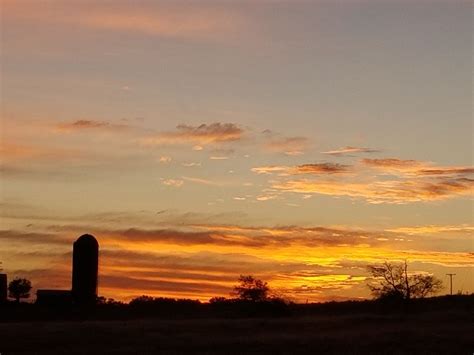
[415,167]
[393,163]
[446,171]
[267,196]
[16,237]
[198,136]
[291,146]
[434,229]
[191,164]
[202,181]
[395,191]
[87,125]
[410,180]
[171,20]
[217,235]
[350,150]
[270,169]
[191,22]
[221,154]
[310,169]
[218,158]
[165,159]
[173,182]
[18,152]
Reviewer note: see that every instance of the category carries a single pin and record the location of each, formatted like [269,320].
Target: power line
[451,282]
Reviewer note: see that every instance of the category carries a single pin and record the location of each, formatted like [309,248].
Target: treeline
[169,308]
[396,291]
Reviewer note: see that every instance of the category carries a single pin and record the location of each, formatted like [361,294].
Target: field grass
[441,332]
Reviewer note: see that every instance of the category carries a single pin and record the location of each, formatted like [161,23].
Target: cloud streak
[89,125]
[291,146]
[434,229]
[411,180]
[347,151]
[415,167]
[305,169]
[392,192]
[185,21]
[202,135]
[19,152]
[173,182]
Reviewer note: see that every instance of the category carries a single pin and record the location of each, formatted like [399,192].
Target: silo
[3,288]
[85,264]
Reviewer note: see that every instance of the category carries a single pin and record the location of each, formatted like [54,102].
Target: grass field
[446,332]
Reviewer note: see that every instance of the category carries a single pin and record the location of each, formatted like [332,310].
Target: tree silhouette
[251,289]
[394,281]
[19,288]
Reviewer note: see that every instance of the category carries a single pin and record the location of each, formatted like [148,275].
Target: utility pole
[451,282]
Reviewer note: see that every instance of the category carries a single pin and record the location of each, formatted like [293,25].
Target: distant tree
[19,288]
[214,300]
[251,289]
[393,281]
[102,301]
[142,300]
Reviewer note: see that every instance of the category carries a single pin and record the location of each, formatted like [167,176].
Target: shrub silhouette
[19,288]
[251,289]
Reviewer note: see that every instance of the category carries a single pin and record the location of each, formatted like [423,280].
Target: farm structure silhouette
[3,288]
[85,267]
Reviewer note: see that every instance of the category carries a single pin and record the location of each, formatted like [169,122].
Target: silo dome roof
[87,239]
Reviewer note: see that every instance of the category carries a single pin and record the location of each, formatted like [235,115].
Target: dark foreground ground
[436,332]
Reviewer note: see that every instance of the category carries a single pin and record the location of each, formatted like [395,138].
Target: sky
[296,141]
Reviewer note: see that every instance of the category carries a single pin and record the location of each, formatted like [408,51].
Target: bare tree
[251,289]
[394,280]
[19,288]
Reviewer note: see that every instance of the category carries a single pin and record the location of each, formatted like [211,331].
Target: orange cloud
[83,125]
[415,167]
[167,24]
[165,159]
[203,181]
[201,135]
[316,169]
[434,229]
[350,150]
[12,151]
[172,182]
[287,145]
[322,168]
[393,163]
[413,180]
[446,171]
[221,154]
[152,19]
[395,191]
[16,152]
[270,169]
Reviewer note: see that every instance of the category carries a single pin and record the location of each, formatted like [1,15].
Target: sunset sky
[297,141]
